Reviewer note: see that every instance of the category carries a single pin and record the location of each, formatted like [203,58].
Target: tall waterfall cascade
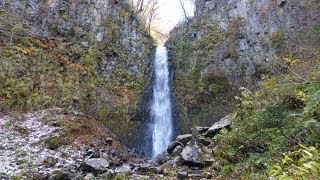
[162,128]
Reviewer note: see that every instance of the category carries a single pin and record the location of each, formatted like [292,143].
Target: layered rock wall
[93,53]
[235,43]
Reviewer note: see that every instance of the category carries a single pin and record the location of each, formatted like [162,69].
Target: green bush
[278,40]
[312,108]
[303,163]
[280,115]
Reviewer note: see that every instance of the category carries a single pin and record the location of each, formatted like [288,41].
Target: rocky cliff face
[233,43]
[89,57]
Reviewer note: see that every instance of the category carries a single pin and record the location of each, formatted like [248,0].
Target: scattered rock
[50,161]
[123,169]
[172,163]
[177,160]
[195,175]
[161,159]
[95,165]
[147,168]
[177,151]
[107,174]
[109,141]
[172,146]
[4,177]
[104,155]
[207,156]
[182,175]
[205,141]
[92,154]
[281,3]
[85,44]
[208,160]
[208,175]
[138,177]
[59,175]
[184,139]
[89,176]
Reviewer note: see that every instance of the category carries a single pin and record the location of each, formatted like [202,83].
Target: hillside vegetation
[266,54]
[98,65]
[277,130]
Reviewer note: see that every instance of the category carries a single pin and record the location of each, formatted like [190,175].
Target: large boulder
[184,139]
[95,165]
[172,146]
[190,156]
[223,123]
[181,140]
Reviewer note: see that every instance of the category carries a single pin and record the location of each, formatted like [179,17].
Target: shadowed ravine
[161,105]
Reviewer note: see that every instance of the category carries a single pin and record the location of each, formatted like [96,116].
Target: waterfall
[161,105]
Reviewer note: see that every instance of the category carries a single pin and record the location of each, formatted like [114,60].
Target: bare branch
[184,10]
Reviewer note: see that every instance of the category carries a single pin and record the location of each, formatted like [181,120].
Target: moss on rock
[202,92]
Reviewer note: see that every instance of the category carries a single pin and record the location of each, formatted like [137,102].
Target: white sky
[170,13]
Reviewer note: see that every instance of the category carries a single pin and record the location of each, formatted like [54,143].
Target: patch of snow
[24,152]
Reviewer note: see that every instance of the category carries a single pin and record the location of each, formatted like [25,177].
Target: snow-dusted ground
[22,147]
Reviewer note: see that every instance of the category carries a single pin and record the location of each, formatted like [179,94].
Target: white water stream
[161,105]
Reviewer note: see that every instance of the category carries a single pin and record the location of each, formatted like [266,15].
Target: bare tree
[140,5]
[185,11]
[152,14]
[147,10]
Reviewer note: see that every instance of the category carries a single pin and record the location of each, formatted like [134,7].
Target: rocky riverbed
[52,144]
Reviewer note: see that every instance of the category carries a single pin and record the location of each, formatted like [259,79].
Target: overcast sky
[170,13]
